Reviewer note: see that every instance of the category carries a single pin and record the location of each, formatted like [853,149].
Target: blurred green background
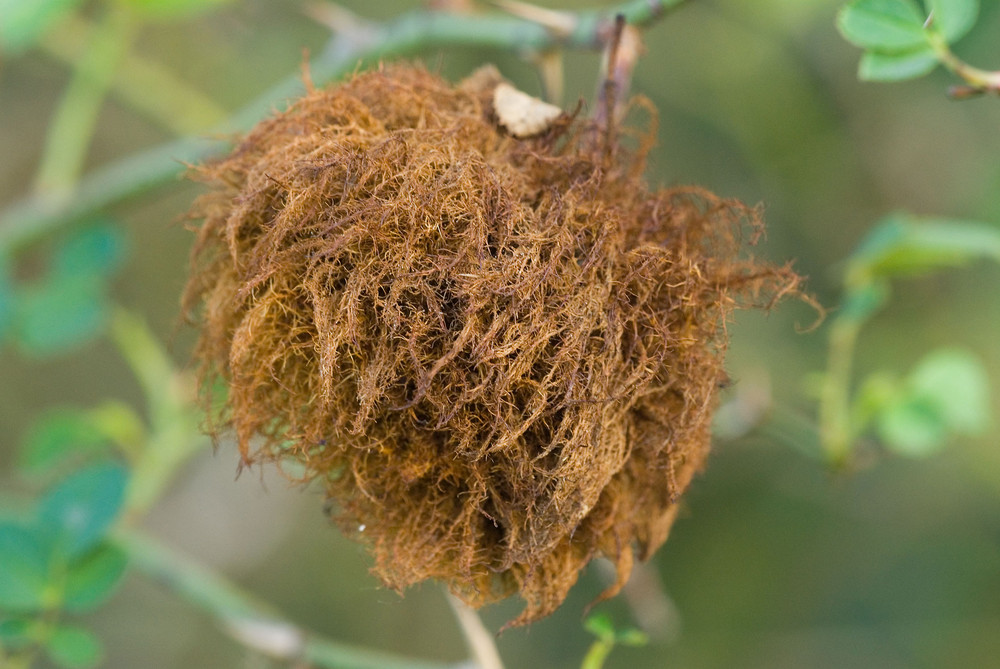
[775,562]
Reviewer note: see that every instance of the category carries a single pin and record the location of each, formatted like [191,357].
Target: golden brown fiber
[500,356]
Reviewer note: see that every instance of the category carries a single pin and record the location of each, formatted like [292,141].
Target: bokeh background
[775,562]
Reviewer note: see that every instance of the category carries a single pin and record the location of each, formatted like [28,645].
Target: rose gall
[499,356]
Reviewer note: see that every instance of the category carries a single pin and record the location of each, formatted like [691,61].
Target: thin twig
[147,87]
[477,637]
[977,81]
[75,118]
[248,621]
[29,220]
[836,431]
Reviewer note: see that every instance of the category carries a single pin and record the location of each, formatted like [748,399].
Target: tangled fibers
[499,356]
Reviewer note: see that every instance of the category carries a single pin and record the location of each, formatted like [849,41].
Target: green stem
[974,76]
[598,653]
[249,621]
[175,438]
[175,435]
[32,219]
[145,86]
[834,409]
[73,124]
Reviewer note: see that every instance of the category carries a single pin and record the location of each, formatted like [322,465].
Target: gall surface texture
[499,356]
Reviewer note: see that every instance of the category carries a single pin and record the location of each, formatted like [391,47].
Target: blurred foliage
[903,40]
[777,564]
[69,305]
[25,22]
[948,393]
[601,626]
[56,560]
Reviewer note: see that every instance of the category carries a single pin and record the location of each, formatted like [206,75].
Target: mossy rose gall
[499,355]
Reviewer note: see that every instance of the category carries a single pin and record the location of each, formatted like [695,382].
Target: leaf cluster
[903,39]
[68,304]
[56,560]
[947,393]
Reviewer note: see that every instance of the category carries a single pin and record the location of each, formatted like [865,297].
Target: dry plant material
[500,356]
[521,114]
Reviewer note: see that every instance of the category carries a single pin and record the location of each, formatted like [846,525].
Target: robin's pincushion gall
[499,355]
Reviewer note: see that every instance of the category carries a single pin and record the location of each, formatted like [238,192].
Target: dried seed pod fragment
[521,114]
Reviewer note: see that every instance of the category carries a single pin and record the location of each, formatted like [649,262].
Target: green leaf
[901,245]
[912,426]
[883,25]
[601,626]
[23,22]
[953,18]
[59,438]
[93,578]
[947,393]
[73,647]
[956,382]
[24,568]
[58,314]
[96,250]
[897,66]
[173,9]
[79,510]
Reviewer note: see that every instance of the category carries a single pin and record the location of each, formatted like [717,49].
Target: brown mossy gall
[500,356]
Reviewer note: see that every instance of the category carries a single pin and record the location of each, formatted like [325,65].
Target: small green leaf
[59,438]
[93,578]
[947,393]
[958,385]
[601,626]
[901,245]
[95,250]
[23,22]
[79,510]
[173,9]
[883,25]
[912,426]
[24,567]
[953,18]
[58,314]
[897,65]
[73,647]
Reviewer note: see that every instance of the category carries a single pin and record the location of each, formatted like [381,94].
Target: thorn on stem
[966,92]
